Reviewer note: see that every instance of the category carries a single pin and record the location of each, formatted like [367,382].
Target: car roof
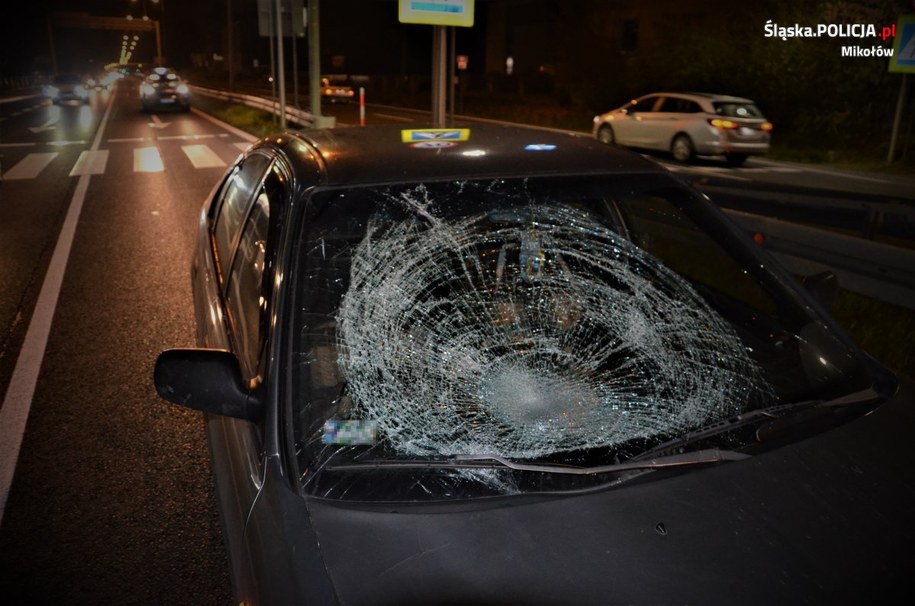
[707,97]
[379,154]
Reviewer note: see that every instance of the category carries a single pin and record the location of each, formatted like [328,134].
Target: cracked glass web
[528,331]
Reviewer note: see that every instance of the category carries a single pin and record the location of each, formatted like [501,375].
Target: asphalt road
[112,500]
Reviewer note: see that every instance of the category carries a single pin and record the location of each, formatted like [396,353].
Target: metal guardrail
[293,114]
[869,215]
[869,268]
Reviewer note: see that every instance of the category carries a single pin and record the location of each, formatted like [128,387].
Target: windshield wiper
[689,459]
[767,424]
[776,422]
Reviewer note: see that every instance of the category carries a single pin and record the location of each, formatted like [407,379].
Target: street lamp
[159,59]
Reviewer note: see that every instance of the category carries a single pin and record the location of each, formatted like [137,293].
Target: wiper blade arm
[774,421]
[687,459]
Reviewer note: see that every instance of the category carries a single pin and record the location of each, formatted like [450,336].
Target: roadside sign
[903,59]
[435,134]
[292,14]
[437,12]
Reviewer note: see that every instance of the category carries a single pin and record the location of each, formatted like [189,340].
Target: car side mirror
[824,287]
[208,380]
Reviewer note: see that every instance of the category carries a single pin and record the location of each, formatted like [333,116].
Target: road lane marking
[17,144]
[90,162]
[192,137]
[157,122]
[21,389]
[147,160]
[223,125]
[391,117]
[201,156]
[129,140]
[30,166]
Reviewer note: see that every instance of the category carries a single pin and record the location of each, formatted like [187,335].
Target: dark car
[66,87]
[337,89]
[163,88]
[490,365]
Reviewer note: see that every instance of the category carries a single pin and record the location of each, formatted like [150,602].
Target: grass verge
[884,330]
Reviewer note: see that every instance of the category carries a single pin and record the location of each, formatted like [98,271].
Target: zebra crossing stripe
[30,166]
[90,163]
[201,156]
[147,160]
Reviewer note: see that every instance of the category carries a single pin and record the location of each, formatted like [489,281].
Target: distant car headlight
[146,89]
[51,91]
[183,89]
[81,91]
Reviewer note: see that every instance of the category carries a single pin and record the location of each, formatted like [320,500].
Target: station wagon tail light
[723,123]
[766,126]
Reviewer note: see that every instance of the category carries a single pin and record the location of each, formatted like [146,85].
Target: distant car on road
[163,88]
[337,90]
[67,87]
[102,81]
[687,125]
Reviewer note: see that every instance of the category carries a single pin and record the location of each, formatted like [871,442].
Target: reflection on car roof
[380,155]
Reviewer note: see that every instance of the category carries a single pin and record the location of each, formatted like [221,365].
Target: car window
[679,106]
[244,294]
[737,110]
[67,79]
[232,205]
[646,104]
[578,321]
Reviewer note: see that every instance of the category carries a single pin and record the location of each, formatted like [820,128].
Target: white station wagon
[687,125]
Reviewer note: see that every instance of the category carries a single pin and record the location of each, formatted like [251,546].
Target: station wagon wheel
[682,148]
[605,135]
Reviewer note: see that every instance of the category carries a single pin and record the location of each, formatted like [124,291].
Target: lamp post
[159,59]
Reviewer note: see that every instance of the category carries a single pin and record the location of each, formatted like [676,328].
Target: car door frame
[238,448]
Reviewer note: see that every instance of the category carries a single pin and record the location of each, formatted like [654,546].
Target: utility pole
[280,68]
[229,50]
[314,68]
[439,74]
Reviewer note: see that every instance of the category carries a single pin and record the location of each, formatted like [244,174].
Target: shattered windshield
[567,321]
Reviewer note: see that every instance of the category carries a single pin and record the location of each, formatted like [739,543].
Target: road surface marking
[242,146]
[30,166]
[90,162]
[130,140]
[147,160]
[157,122]
[192,137]
[21,389]
[390,117]
[63,143]
[223,125]
[17,144]
[202,156]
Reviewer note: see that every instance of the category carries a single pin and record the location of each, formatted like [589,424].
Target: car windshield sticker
[528,332]
[349,432]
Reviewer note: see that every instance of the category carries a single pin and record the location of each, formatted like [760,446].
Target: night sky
[188,27]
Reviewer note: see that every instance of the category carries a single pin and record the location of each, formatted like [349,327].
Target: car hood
[822,520]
